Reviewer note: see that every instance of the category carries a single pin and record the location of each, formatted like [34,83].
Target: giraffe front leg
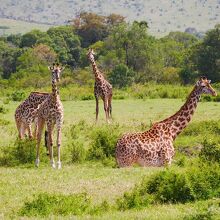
[97,108]
[39,133]
[59,137]
[50,141]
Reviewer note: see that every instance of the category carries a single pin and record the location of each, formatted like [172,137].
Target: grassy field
[24,182]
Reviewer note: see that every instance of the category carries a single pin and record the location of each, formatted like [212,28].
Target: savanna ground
[89,174]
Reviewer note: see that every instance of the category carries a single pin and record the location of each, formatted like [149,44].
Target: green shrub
[47,204]
[104,141]
[199,182]
[78,153]
[133,200]
[169,186]
[17,95]
[204,180]
[21,152]
[24,151]
[210,151]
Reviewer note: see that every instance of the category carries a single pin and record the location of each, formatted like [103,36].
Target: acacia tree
[92,27]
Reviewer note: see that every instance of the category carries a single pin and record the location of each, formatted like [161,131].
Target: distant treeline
[125,52]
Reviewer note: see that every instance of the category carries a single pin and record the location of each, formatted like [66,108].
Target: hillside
[162,16]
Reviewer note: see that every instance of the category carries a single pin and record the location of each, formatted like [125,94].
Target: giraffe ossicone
[155,146]
[102,88]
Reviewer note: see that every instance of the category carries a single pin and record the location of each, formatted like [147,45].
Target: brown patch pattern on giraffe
[155,146]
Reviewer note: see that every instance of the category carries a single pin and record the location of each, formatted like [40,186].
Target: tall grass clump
[103,145]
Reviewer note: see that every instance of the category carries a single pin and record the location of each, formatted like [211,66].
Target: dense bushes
[201,181]
[45,205]
[210,151]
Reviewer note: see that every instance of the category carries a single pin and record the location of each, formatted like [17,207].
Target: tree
[92,27]
[206,55]
[136,49]
[66,44]
[8,59]
[121,76]
[30,39]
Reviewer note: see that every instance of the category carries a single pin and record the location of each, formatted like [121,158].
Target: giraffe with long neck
[155,146]
[102,88]
[51,113]
[26,112]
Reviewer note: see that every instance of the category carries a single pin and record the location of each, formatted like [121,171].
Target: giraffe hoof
[53,165]
[37,162]
[59,165]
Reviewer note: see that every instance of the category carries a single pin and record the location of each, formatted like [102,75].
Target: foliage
[45,204]
[121,76]
[210,151]
[206,56]
[103,144]
[92,27]
[17,96]
[198,182]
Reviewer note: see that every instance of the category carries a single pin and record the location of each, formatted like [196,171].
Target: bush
[45,204]
[169,186]
[210,151]
[103,145]
[22,152]
[78,153]
[205,180]
[17,96]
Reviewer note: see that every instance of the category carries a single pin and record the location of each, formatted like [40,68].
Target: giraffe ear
[50,67]
[209,81]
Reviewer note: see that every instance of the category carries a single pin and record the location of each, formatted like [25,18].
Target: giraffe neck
[55,91]
[96,72]
[180,120]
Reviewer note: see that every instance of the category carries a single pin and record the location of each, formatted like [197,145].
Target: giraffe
[155,146]
[51,113]
[102,88]
[26,113]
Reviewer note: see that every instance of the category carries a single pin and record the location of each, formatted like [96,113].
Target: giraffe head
[203,86]
[56,70]
[91,54]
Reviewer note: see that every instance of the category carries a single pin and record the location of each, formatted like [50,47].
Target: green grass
[23,183]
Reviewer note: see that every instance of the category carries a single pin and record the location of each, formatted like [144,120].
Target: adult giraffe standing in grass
[102,88]
[51,113]
[155,146]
